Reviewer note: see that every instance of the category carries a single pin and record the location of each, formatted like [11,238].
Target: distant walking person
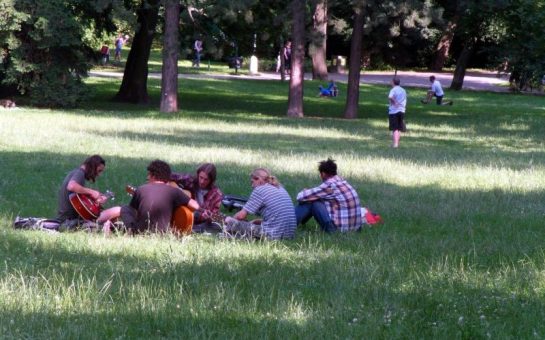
[119,42]
[436,91]
[197,47]
[396,111]
[286,53]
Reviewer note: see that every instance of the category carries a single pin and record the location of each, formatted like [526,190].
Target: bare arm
[241,215]
[74,186]
[193,205]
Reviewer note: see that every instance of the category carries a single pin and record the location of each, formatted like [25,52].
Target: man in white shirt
[396,111]
[436,91]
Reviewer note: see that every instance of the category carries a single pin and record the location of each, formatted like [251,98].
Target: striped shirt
[274,205]
[341,200]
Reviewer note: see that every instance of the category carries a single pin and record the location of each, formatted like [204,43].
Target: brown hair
[210,170]
[160,170]
[328,167]
[91,167]
[265,174]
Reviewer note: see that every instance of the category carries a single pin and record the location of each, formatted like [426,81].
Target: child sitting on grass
[330,91]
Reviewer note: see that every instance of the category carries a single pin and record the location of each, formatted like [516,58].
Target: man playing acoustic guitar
[74,182]
[204,190]
[152,204]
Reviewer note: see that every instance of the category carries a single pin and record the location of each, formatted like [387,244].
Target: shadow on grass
[317,291]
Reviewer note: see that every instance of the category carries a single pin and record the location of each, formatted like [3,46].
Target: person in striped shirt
[334,204]
[270,201]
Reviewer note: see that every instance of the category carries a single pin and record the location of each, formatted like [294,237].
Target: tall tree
[475,28]
[353,91]
[461,64]
[442,50]
[521,51]
[135,78]
[45,47]
[295,97]
[318,40]
[169,72]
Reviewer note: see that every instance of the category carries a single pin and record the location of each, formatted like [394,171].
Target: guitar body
[182,218]
[85,206]
[182,221]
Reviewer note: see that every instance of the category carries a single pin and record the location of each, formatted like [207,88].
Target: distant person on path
[119,42]
[286,53]
[204,190]
[270,201]
[436,91]
[397,99]
[105,54]
[197,47]
[334,204]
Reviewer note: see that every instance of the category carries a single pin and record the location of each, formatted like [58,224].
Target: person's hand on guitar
[101,199]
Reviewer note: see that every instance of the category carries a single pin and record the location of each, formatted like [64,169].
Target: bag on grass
[370,217]
[36,223]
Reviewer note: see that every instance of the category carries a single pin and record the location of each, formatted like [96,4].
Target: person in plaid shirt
[334,204]
[204,190]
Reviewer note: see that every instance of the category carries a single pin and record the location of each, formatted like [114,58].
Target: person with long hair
[270,201]
[74,182]
[204,190]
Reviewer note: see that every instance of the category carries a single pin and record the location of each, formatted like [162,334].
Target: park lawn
[208,66]
[460,253]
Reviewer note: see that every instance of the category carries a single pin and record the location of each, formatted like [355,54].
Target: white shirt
[399,96]
[437,89]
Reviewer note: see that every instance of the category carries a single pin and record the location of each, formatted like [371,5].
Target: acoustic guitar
[86,207]
[182,217]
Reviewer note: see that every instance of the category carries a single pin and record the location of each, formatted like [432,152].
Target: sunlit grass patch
[460,253]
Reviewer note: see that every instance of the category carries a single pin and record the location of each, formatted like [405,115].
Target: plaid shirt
[341,200]
[211,201]
[211,204]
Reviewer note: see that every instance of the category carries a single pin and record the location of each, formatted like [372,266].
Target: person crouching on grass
[270,201]
[436,91]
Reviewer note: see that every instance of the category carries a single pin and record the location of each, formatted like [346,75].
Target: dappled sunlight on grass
[460,246]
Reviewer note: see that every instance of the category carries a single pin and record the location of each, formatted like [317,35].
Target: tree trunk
[295,98]
[169,74]
[134,87]
[443,47]
[318,41]
[353,90]
[461,66]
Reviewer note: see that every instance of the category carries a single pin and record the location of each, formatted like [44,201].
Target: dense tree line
[46,47]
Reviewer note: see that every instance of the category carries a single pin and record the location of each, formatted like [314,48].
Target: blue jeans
[317,209]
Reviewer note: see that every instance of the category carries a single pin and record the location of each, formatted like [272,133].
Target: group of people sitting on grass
[334,204]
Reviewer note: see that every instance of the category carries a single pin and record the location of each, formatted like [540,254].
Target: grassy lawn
[184,65]
[460,254]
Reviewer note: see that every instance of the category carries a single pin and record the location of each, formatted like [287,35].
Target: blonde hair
[265,175]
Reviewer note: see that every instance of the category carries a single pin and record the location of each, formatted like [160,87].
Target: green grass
[208,66]
[460,254]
